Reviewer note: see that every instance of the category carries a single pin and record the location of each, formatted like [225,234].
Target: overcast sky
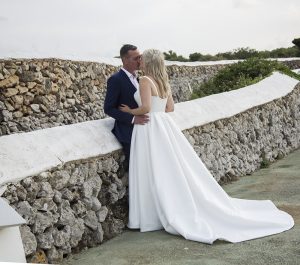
[97,28]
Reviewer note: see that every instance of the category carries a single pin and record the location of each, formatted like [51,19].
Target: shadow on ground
[279,183]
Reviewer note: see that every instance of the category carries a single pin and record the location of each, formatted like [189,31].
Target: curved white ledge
[224,105]
[27,154]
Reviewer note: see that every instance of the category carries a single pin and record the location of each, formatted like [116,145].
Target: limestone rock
[39,257]
[45,240]
[35,107]
[9,92]
[66,214]
[102,213]
[11,81]
[91,220]
[59,179]
[77,231]
[55,256]
[28,239]
[42,221]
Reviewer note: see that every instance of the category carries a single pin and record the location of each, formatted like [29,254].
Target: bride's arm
[145,92]
[170,103]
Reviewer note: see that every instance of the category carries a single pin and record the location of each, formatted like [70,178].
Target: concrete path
[280,183]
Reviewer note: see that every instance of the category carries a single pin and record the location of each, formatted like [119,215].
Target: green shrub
[265,163]
[285,52]
[296,42]
[172,56]
[239,75]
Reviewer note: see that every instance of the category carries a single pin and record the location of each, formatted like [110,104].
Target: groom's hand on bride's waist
[140,119]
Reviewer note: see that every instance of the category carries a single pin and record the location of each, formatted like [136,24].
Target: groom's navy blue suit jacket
[120,90]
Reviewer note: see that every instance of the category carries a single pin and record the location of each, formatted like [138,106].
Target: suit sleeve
[111,102]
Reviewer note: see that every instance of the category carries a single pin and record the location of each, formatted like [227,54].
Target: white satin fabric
[170,188]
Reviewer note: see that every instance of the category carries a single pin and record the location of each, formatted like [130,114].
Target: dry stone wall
[72,207]
[36,94]
[237,146]
[44,93]
[183,79]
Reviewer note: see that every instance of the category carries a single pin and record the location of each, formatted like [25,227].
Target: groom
[121,87]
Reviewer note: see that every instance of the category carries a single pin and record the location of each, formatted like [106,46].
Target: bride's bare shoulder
[145,80]
[144,77]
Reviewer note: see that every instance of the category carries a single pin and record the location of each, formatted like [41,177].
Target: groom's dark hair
[125,48]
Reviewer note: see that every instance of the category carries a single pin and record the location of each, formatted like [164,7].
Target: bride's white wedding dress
[170,188]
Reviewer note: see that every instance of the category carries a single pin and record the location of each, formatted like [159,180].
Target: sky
[92,29]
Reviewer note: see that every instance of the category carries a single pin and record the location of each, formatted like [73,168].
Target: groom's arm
[111,102]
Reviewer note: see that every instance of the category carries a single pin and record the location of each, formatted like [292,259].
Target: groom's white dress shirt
[133,81]
[132,78]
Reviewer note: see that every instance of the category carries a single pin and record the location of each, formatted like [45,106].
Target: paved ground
[280,183]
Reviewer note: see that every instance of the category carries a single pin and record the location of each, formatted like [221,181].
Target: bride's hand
[124,108]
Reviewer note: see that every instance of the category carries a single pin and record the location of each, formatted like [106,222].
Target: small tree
[296,42]
[225,56]
[244,53]
[170,56]
[196,56]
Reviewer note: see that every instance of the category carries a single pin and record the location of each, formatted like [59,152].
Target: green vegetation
[265,163]
[172,56]
[296,42]
[238,54]
[239,75]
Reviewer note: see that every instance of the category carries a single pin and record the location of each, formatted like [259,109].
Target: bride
[169,186]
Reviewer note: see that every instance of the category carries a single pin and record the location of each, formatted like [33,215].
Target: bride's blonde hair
[154,66]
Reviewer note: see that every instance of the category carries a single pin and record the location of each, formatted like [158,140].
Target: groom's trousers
[126,150]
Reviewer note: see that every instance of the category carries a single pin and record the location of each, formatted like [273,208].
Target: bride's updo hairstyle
[154,66]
